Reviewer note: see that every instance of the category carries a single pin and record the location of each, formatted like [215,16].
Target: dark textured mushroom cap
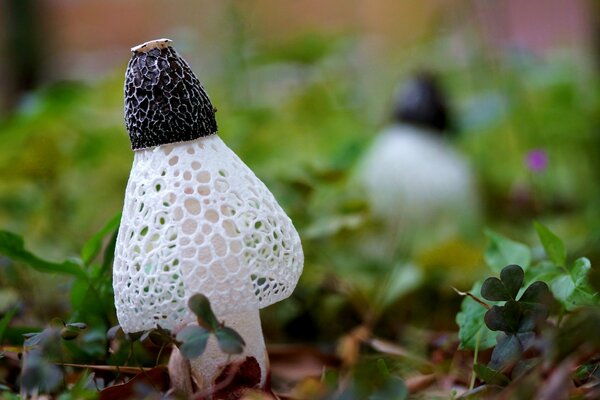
[164,101]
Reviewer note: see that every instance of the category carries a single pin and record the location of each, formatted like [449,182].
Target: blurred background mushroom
[415,181]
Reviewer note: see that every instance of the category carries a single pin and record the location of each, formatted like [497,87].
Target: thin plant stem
[477,340]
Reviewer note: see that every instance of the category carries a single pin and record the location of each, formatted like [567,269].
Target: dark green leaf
[493,289]
[92,247]
[506,353]
[193,341]
[383,368]
[133,336]
[537,292]
[531,317]
[502,251]
[504,318]
[555,248]
[72,330]
[512,277]
[12,246]
[230,341]
[69,332]
[109,252]
[160,336]
[490,376]
[5,321]
[200,305]
[527,339]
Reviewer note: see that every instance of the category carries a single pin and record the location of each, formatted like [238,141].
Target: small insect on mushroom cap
[196,219]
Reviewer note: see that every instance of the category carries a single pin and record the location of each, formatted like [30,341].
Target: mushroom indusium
[411,173]
[195,219]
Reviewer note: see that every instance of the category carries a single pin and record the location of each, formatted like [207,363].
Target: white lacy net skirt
[197,220]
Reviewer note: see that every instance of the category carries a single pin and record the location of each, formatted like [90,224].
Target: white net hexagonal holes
[197,219]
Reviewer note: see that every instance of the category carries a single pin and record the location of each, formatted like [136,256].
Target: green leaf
[504,318]
[505,288]
[109,252]
[69,332]
[92,247]
[536,303]
[506,353]
[512,277]
[200,305]
[537,292]
[573,289]
[502,251]
[581,297]
[160,336]
[562,287]
[12,246]
[490,376]
[472,330]
[579,271]
[554,247]
[5,321]
[399,282]
[193,341]
[230,341]
[493,289]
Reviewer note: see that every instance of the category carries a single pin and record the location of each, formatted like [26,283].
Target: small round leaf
[512,277]
[193,341]
[78,325]
[230,341]
[200,305]
[537,292]
[69,332]
[494,290]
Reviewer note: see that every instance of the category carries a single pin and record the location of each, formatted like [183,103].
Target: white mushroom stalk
[195,219]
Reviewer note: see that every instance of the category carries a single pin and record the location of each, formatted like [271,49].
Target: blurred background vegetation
[302,88]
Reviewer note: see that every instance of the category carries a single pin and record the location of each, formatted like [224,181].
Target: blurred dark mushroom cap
[422,102]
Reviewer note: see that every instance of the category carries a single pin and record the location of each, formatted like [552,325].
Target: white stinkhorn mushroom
[411,174]
[195,219]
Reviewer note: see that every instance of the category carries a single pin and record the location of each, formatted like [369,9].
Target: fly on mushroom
[195,219]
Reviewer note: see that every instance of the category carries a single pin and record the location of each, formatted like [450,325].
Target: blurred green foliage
[300,116]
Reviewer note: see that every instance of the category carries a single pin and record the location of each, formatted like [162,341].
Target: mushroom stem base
[210,370]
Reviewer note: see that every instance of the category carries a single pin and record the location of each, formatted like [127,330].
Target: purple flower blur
[537,160]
